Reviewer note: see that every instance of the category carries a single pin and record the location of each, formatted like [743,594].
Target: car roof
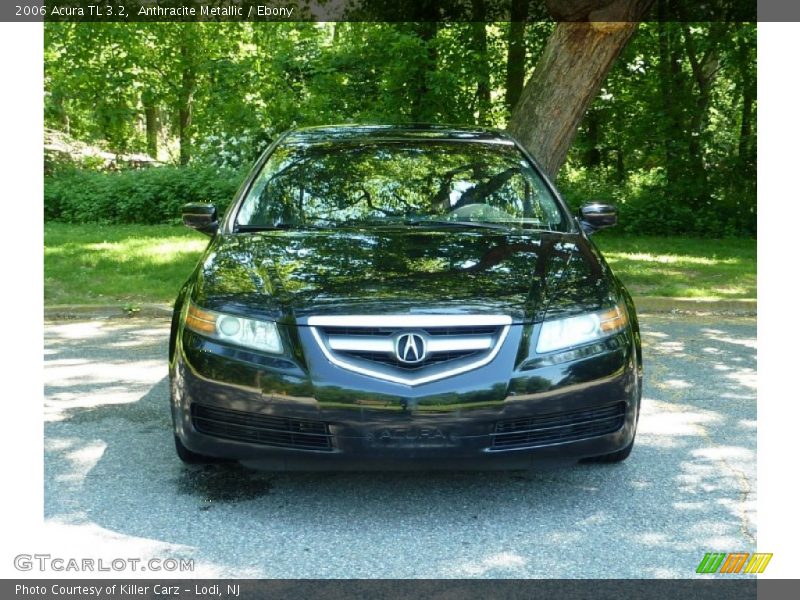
[421,132]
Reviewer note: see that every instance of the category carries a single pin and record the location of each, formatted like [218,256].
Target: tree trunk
[668,70]
[483,96]
[186,96]
[424,15]
[747,159]
[593,156]
[575,61]
[704,70]
[515,63]
[746,151]
[62,118]
[184,132]
[620,164]
[151,129]
[420,109]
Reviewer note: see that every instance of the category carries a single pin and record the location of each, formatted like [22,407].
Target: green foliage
[149,196]
[649,205]
[671,137]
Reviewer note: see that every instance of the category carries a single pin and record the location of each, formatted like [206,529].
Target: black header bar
[712,588]
[390,10]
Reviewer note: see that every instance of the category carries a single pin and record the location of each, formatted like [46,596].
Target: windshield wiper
[448,223]
[410,222]
[276,227]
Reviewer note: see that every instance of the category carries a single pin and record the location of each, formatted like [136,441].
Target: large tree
[579,54]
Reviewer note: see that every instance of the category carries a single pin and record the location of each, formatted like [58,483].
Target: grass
[133,264]
[117,264]
[683,267]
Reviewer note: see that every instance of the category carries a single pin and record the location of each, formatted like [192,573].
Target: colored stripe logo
[735,562]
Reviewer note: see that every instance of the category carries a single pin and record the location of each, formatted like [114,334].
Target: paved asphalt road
[115,489]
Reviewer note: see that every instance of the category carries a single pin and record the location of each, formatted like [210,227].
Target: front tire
[620,455]
[189,457]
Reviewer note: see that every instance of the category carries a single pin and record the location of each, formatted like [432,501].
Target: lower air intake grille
[557,428]
[261,429]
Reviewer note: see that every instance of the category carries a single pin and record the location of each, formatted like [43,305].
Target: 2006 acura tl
[390,297]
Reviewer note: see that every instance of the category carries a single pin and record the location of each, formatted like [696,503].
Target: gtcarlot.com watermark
[47,562]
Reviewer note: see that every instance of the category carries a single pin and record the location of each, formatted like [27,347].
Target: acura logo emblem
[410,348]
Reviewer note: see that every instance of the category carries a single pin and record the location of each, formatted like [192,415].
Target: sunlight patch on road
[676,349]
[744,377]
[73,384]
[75,536]
[718,336]
[93,374]
[501,561]
[665,419]
[677,384]
[82,460]
[731,453]
[690,505]
[58,406]
[78,331]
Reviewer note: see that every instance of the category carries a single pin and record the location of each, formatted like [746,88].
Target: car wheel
[620,455]
[189,457]
[614,457]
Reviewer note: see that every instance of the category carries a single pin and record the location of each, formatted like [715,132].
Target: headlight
[574,331]
[259,335]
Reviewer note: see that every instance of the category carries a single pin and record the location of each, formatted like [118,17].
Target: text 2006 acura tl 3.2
[391,297]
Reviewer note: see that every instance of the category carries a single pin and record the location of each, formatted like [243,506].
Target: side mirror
[596,215]
[200,216]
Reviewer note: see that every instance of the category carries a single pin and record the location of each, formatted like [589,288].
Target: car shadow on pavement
[111,476]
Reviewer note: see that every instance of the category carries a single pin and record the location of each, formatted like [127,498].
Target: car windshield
[405,183]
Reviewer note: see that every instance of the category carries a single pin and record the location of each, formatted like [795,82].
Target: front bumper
[509,414]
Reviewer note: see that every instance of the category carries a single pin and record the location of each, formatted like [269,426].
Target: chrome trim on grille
[420,321]
[450,343]
[382,331]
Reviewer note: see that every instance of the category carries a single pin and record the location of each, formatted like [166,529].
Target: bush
[647,205]
[148,196]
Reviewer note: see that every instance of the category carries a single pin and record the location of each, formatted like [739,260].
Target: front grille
[392,360]
[261,429]
[490,330]
[377,345]
[557,428]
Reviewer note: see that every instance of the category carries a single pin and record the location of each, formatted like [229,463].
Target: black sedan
[388,297]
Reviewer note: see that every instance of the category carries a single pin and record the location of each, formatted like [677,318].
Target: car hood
[290,275]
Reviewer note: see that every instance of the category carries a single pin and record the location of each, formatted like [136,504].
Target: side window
[270,199]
